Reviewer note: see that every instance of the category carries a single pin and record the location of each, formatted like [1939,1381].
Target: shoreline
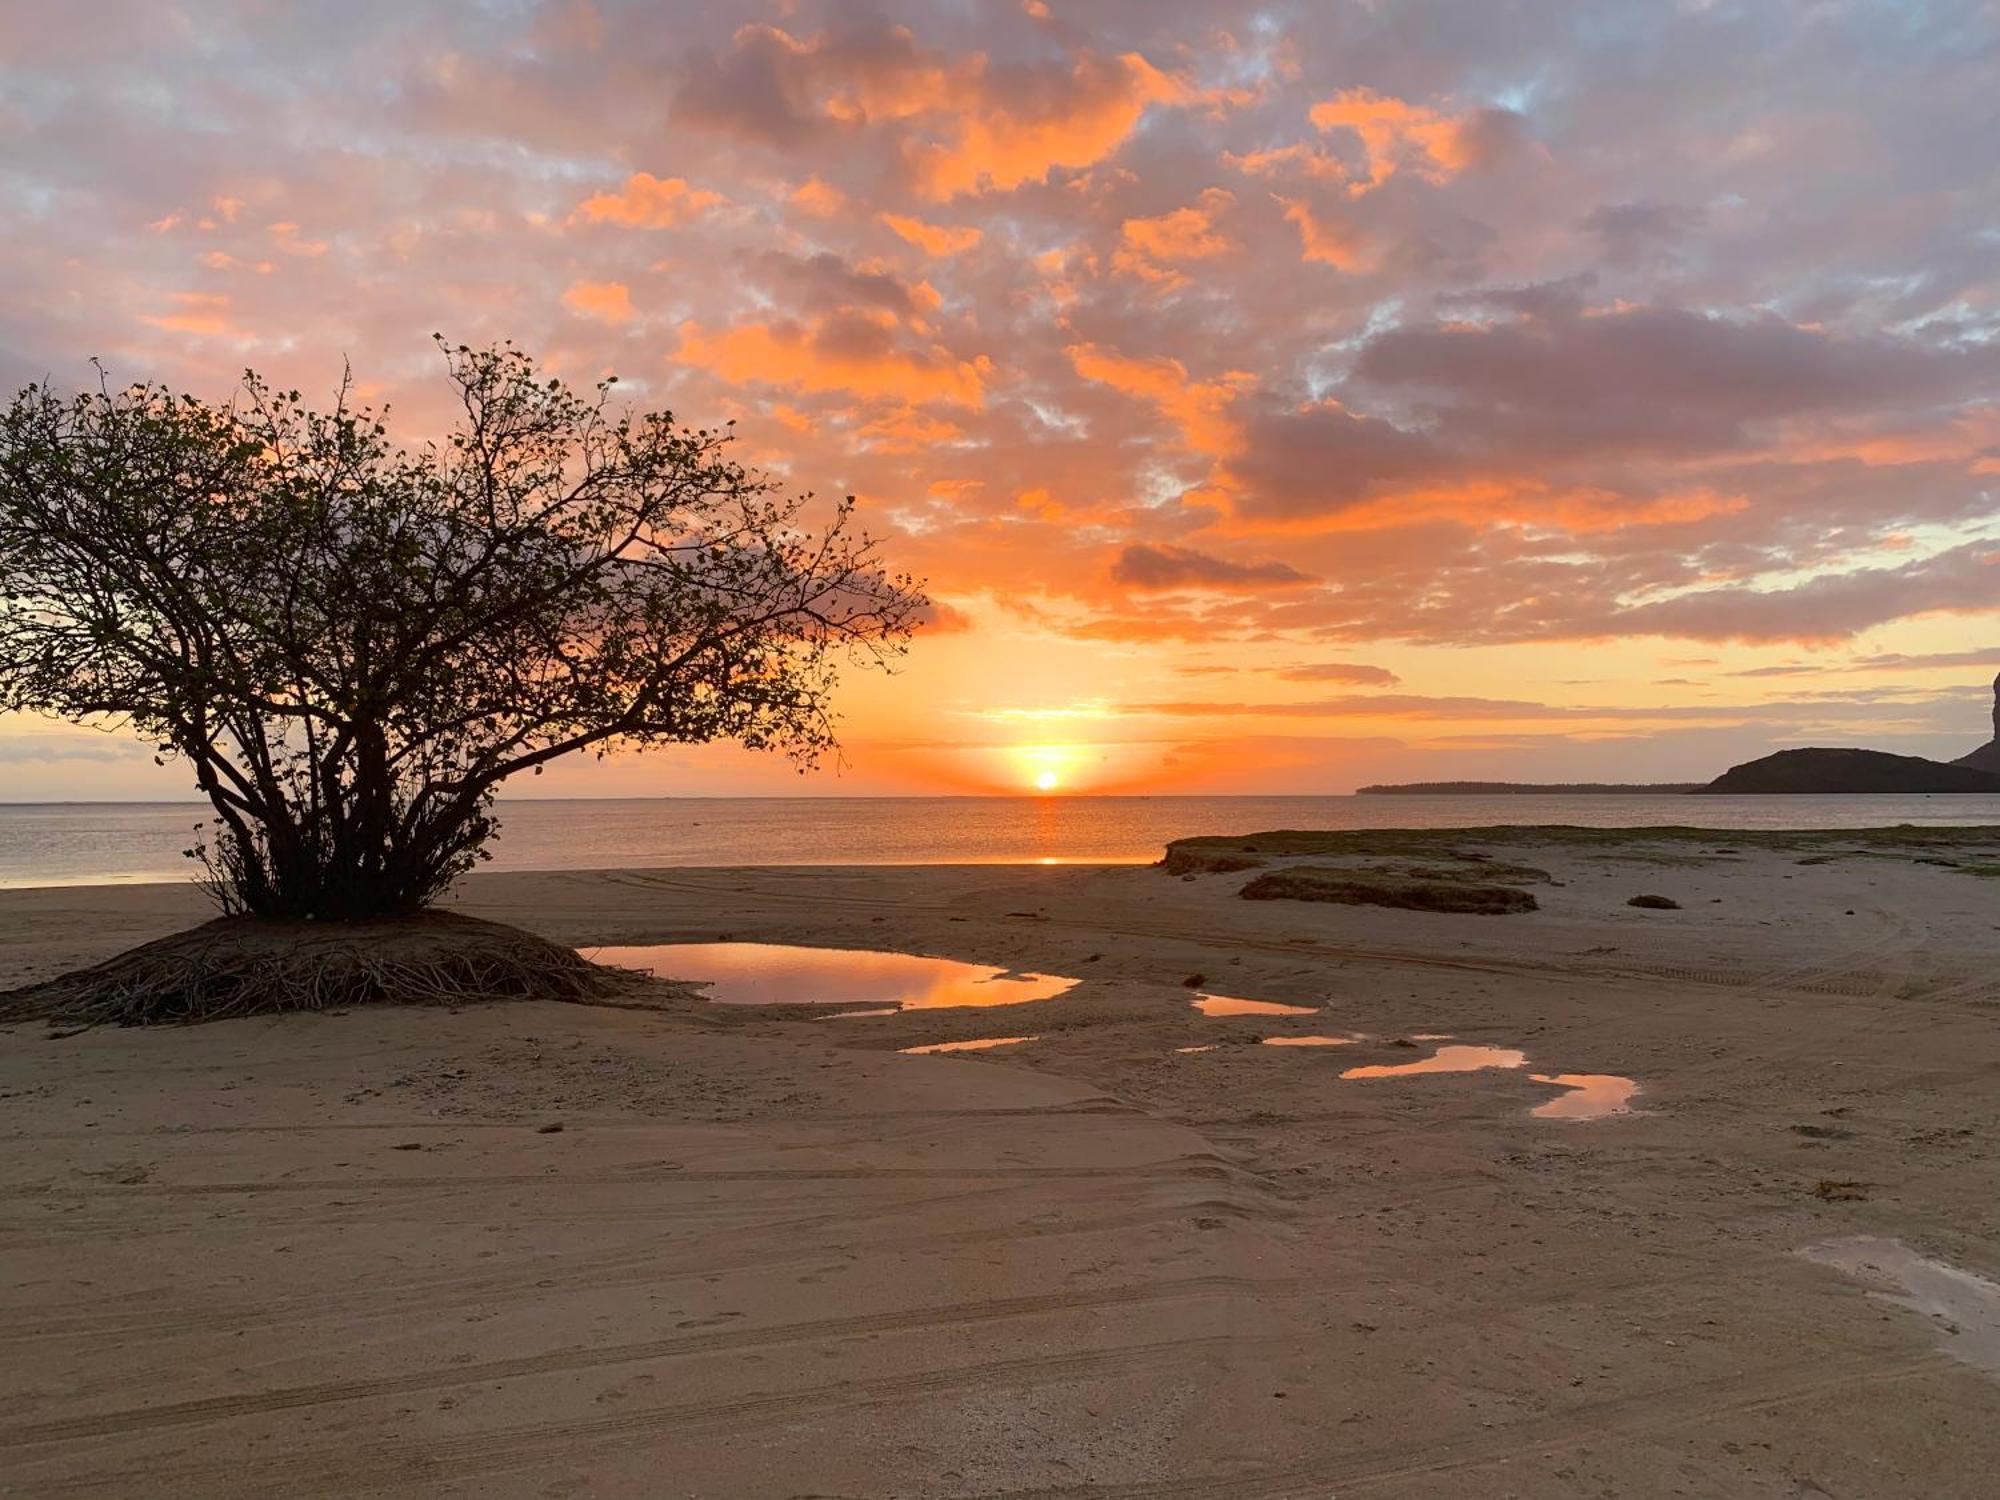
[1505,831]
[769,1254]
[119,846]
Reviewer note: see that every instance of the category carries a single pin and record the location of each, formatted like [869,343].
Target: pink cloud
[1150,568]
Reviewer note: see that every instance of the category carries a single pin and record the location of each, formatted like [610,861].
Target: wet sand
[768,1255]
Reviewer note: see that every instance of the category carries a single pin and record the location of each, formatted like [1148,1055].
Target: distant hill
[1529,788]
[1987,756]
[1850,771]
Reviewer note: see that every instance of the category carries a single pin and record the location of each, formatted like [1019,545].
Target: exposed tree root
[245,966]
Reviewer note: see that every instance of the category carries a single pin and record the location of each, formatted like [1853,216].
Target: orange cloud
[1333,244]
[607,301]
[851,351]
[1301,156]
[1485,504]
[646,202]
[940,618]
[903,83]
[1152,247]
[1054,267]
[1396,136]
[820,199]
[204,313]
[1392,136]
[904,429]
[286,235]
[997,143]
[222,260]
[963,125]
[1201,409]
[933,239]
[1972,437]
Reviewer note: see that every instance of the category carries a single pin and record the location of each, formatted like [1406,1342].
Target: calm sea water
[97,843]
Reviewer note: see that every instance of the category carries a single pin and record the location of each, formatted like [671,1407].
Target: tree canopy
[353,643]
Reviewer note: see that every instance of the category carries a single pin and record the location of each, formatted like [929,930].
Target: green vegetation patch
[1492,871]
[1470,867]
[1184,861]
[1363,888]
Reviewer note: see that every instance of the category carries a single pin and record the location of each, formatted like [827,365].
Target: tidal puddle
[1229,1005]
[1586,1096]
[1964,1308]
[1205,1047]
[1460,1059]
[978,1044]
[779,974]
[1310,1041]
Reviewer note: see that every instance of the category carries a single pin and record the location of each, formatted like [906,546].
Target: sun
[1044,770]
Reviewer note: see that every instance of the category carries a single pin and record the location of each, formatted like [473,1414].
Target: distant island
[1851,771]
[1813,769]
[1530,788]
[1861,772]
[1987,756]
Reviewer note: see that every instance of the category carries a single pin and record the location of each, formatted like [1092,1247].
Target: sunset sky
[1278,397]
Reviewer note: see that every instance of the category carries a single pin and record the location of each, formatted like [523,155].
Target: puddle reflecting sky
[1963,1308]
[778,974]
[1229,1005]
[1586,1096]
[1310,1041]
[1459,1059]
[977,1044]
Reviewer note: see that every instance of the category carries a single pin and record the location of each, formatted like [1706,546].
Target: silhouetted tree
[353,644]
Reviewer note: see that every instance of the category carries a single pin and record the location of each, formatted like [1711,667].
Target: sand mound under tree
[242,966]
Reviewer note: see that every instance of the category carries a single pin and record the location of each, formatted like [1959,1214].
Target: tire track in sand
[349,1468]
[959,1315]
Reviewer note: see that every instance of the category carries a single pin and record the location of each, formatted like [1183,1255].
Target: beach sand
[766,1255]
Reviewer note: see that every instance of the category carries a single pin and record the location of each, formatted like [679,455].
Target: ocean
[96,843]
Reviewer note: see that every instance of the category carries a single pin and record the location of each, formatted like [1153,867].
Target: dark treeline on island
[1529,789]
[1853,772]
[1864,772]
[1814,769]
